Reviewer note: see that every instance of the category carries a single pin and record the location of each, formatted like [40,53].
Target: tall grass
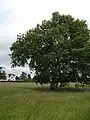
[26,101]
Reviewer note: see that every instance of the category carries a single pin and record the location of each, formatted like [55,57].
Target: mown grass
[26,101]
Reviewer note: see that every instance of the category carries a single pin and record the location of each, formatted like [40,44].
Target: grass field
[26,101]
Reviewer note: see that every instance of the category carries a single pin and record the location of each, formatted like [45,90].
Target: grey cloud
[5,43]
[6,17]
[4,59]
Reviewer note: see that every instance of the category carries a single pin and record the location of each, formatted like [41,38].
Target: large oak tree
[58,50]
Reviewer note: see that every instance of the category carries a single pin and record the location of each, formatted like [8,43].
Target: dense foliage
[58,50]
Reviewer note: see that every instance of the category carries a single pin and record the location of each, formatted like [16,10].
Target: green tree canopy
[58,50]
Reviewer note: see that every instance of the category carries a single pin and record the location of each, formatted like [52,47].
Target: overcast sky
[17,16]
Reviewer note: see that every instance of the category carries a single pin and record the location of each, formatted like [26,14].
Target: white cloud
[17,70]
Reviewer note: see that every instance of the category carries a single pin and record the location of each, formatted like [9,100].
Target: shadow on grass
[46,89]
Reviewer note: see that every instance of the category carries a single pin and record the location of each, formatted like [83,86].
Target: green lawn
[26,101]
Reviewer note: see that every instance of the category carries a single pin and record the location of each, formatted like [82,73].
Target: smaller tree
[17,78]
[29,76]
[23,75]
[2,73]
